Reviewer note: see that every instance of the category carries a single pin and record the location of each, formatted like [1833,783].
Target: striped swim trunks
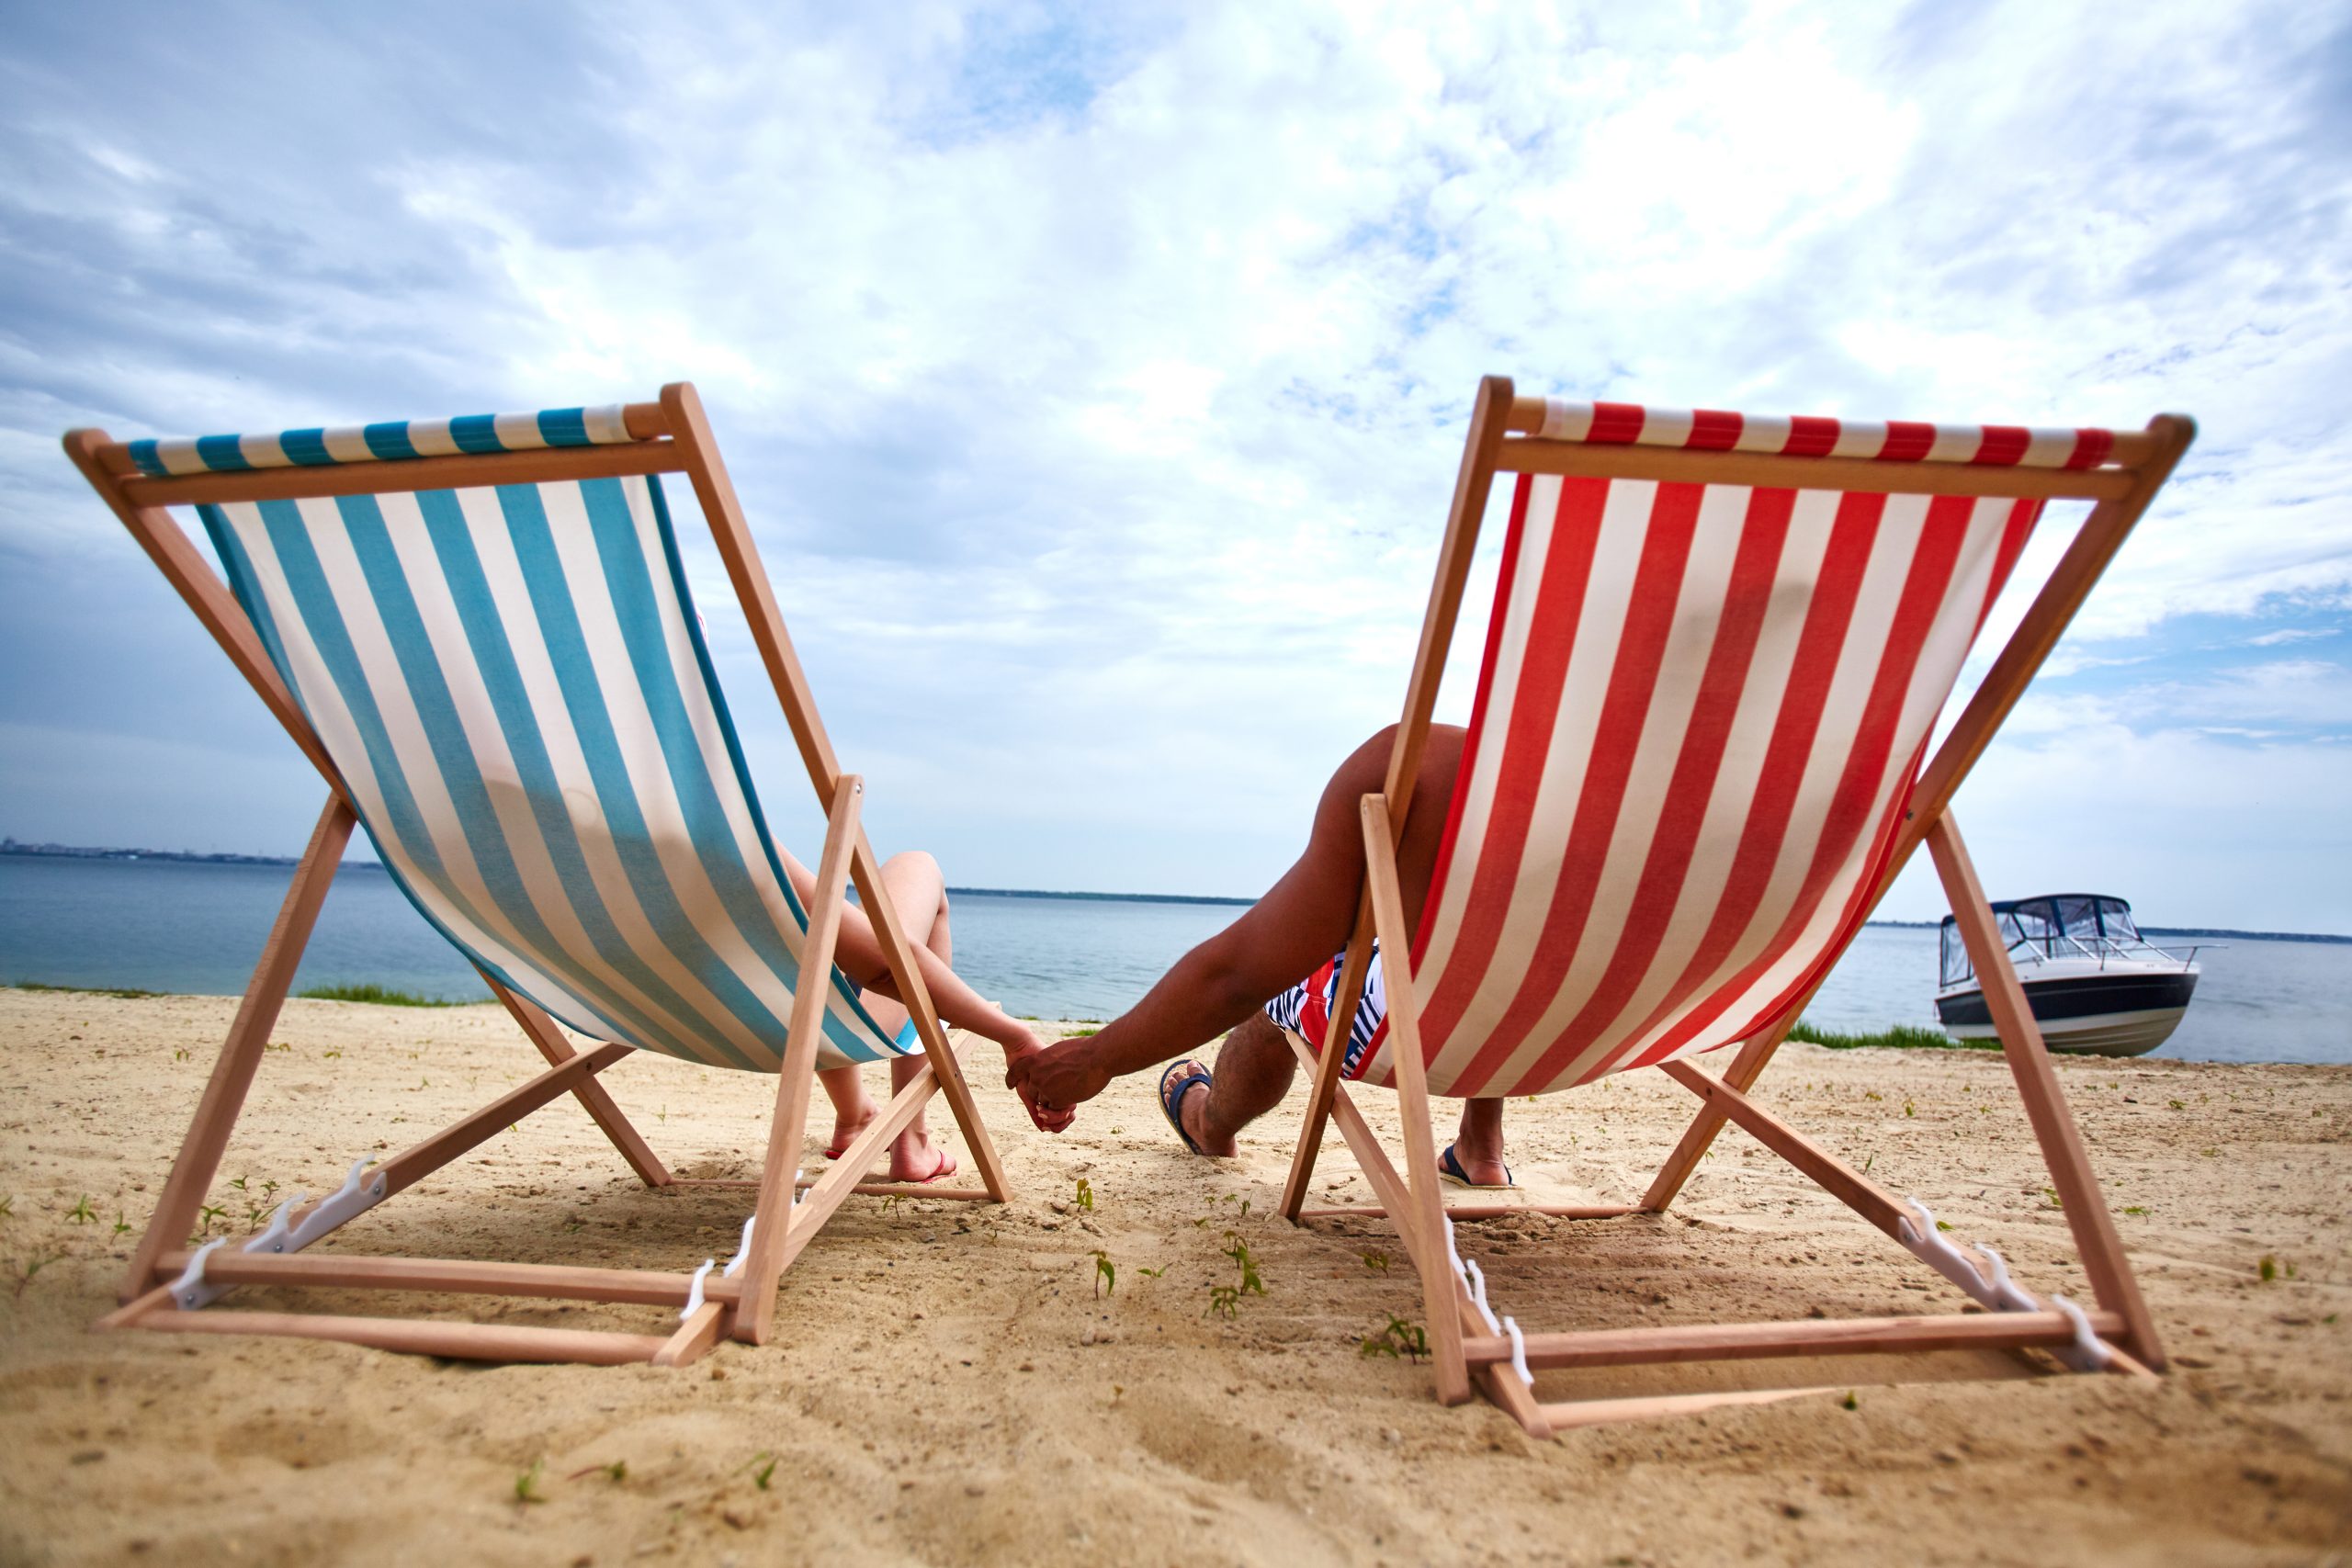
[1306,1010]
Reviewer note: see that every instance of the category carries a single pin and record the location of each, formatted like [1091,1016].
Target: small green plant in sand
[1850,1402]
[2136,1209]
[1943,1224]
[31,1267]
[121,1225]
[616,1473]
[207,1215]
[9,1207]
[526,1485]
[2051,1193]
[1085,1195]
[1397,1338]
[2269,1269]
[765,1472]
[1106,1278]
[82,1213]
[1225,1301]
[1153,1273]
[1376,1261]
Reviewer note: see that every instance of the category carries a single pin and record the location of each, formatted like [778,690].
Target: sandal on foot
[945,1168]
[1449,1169]
[1173,1083]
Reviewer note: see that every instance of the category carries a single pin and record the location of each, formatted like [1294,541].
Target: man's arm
[1285,936]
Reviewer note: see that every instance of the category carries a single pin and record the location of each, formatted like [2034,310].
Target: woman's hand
[1050,1114]
[1060,1076]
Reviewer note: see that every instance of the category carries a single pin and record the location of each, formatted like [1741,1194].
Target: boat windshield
[2068,925]
[1955,952]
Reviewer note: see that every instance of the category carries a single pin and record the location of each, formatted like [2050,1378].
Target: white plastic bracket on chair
[1990,1286]
[734,1264]
[1473,1279]
[190,1291]
[354,1198]
[1519,1352]
[742,1249]
[694,1290]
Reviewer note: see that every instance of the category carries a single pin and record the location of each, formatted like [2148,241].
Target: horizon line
[15,848]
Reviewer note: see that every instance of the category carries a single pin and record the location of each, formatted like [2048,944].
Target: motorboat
[2096,986]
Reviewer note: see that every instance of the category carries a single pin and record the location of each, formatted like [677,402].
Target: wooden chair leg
[1746,1067]
[2045,1102]
[797,1079]
[1423,1209]
[233,1074]
[1331,1062]
[547,1036]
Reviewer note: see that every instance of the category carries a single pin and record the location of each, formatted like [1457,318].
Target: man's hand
[1049,1114]
[1060,1076]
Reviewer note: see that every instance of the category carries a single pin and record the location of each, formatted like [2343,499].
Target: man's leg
[1479,1143]
[918,890]
[1254,1069]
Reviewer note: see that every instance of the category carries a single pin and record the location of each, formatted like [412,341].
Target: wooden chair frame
[670,435]
[1505,437]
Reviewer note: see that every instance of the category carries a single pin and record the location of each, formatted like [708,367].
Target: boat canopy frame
[2064,933]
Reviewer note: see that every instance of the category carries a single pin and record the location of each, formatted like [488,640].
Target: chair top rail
[1705,446]
[478,449]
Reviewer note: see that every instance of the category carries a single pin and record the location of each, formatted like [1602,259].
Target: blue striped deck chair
[480,632]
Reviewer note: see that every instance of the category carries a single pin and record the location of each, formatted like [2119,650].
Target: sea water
[188,926]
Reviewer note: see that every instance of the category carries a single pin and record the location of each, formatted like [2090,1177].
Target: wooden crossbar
[314,1270]
[1530,455]
[1482,1211]
[2130,448]
[458,1341]
[541,465]
[1809,1337]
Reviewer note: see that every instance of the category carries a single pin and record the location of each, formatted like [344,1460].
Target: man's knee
[1257,1045]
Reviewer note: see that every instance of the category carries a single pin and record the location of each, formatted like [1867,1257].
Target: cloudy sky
[1095,375]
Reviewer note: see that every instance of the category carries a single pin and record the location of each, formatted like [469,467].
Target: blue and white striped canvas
[514,685]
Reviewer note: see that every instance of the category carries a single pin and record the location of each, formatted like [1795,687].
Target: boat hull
[2106,1014]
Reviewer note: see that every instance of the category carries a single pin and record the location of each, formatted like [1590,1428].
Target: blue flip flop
[1171,1098]
[1449,1169]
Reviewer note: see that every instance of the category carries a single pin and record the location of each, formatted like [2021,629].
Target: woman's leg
[918,891]
[852,1107]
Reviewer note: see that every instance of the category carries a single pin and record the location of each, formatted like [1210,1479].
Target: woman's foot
[847,1127]
[919,1161]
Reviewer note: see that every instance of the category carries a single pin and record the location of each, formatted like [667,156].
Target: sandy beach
[950,1388]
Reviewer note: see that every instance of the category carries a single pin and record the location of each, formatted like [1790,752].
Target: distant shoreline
[191,857]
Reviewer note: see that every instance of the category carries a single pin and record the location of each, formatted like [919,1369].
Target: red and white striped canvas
[1701,711]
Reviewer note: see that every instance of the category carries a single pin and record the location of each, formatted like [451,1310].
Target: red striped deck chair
[1696,759]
